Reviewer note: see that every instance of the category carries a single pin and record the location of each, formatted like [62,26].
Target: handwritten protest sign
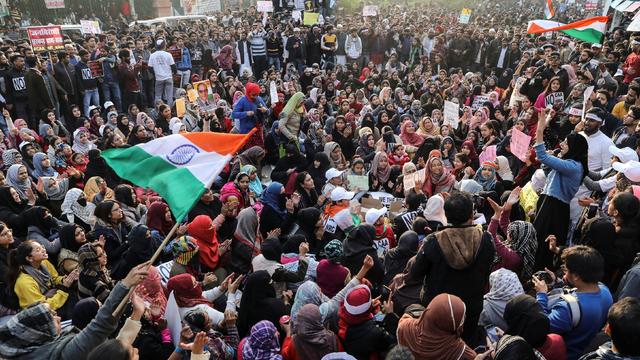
[552,98]
[409,181]
[96,69]
[587,94]
[310,18]
[273,92]
[489,154]
[181,108]
[370,10]
[520,144]
[478,101]
[90,27]
[358,181]
[45,38]
[265,6]
[451,115]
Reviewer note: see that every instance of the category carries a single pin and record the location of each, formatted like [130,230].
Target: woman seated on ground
[94,280]
[34,279]
[72,236]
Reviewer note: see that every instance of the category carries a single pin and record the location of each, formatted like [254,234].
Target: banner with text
[45,38]
[54,4]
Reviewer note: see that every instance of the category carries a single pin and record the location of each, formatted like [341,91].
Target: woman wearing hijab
[225,58]
[315,140]
[72,237]
[504,286]
[42,166]
[383,176]
[336,157]
[275,215]
[255,186]
[158,218]
[448,150]
[469,149]
[360,335]
[184,251]
[331,274]
[259,302]
[504,172]
[318,168]
[290,119]
[525,318]
[514,348]
[238,189]
[134,211]
[246,241]
[436,333]
[366,148]
[97,191]
[272,144]
[94,280]
[357,246]
[427,129]
[310,339]
[409,135]
[251,111]
[252,156]
[189,297]
[438,178]
[434,213]
[97,166]
[486,177]
[141,249]
[18,179]
[270,260]
[81,142]
[288,166]
[12,211]
[396,259]
[44,229]
[77,210]
[203,231]
[261,343]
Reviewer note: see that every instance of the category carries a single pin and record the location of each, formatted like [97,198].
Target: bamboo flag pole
[124,301]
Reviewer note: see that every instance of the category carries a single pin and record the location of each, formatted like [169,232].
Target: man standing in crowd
[129,78]
[163,67]
[257,38]
[42,90]
[142,54]
[87,84]
[17,96]
[184,65]
[65,75]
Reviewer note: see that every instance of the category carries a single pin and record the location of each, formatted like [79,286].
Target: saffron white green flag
[178,167]
[548,9]
[589,30]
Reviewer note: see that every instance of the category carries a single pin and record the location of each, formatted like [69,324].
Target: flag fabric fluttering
[589,30]
[548,9]
[178,167]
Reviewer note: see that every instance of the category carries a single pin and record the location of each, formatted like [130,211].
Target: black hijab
[396,259]
[68,237]
[84,311]
[525,318]
[318,174]
[6,201]
[258,302]
[307,219]
[271,249]
[36,217]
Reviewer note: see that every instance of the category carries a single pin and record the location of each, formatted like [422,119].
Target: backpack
[571,299]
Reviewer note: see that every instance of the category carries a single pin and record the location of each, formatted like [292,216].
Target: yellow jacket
[28,291]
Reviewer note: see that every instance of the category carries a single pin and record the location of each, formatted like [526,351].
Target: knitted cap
[358,300]
[184,249]
[333,250]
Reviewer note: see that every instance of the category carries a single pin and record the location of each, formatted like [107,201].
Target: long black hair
[578,151]
[17,259]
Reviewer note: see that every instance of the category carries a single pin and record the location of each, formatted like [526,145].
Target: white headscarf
[505,170]
[434,210]
[72,208]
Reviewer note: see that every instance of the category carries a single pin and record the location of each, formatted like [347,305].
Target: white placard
[265,6]
[451,114]
[273,92]
[90,27]
[587,94]
[174,322]
[370,10]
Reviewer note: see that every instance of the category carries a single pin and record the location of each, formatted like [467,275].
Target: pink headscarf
[412,139]
[152,291]
[636,191]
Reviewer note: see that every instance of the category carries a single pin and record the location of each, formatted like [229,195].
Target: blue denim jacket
[565,177]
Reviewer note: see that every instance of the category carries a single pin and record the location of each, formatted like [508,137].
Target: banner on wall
[54,4]
[45,38]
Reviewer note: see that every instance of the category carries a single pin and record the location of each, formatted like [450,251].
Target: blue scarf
[271,198]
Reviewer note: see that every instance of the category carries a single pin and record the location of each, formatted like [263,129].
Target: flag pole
[155,256]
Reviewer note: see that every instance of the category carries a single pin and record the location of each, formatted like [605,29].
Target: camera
[478,201]
[543,275]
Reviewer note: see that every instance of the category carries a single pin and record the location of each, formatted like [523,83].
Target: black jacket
[469,281]
[357,246]
[16,86]
[66,77]
[39,97]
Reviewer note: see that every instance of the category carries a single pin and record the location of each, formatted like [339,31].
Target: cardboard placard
[370,10]
[489,154]
[96,68]
[478,101]
[181,108]
[465,16]
[265,6]
[45,38]
[358,181]
[90,27]
[192,95]
[451,114]
[310,18]
[520,144]
[409,181]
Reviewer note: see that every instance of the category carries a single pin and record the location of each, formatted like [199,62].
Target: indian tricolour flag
[589,30]
[548,9]
[178,167]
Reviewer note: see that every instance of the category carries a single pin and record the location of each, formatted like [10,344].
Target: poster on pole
[370,10]
[451,114]
[90,27]
[45,38]
[265,6]
[54,4]
[465,16]
[520,144]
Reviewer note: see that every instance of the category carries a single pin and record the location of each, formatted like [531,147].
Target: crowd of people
[360,220]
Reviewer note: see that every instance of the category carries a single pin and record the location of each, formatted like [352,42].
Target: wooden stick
[124,301]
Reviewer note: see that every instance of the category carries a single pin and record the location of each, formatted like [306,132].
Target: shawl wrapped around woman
[436,184]
[156,218]
[336,162]
[225,58]
[255,185]
[78,145]
[91,189]
[311,339]
[203,231]
[504,286]
[413,138]
[72,208]
[488,184]
[381,174]
[432,131]
[41,170]
[436,334]
[152,291]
